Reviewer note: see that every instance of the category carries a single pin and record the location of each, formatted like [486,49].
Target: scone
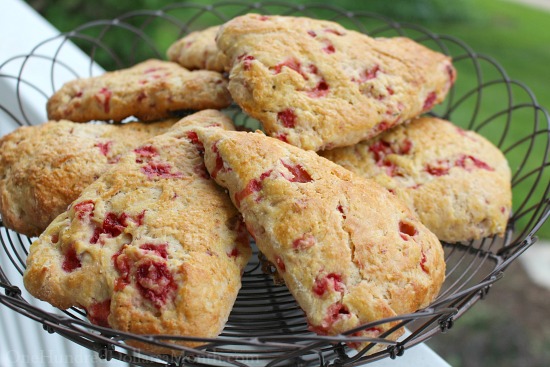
[150,90]
[198,50]
[44,168]
[348,250]
[153,246]
[316,85]
[456,181]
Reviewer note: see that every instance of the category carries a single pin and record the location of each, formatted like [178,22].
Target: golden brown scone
[348,250]
[150,90]
[456,181]
[317,85]
[198,50]
[44,168]
[153,246]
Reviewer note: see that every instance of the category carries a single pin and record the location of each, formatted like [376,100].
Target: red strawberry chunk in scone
[325,283]
[104,147]
[335,313]
[98,313]
[112,226]
[103,97]
[155,281]
[71,260]
[84,209]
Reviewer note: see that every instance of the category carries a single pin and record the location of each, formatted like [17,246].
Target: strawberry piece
[103,97]
[281,136]
[341,210]
[429,102]
[246,60]
[98,313]
[194,139]
[312,33]
[463,160]
[145,153]
[84,209]
[71,262]
[330,281]
[292,64]
[329,47]
[234,253]
[335,312]
[104,147]
[320,90]
[154,281]
[280,263]
[287,118]
[368,74]
[440,168]
[407,230]
[423,260]
[299,173]
[159,170]
[334,31]
[219,161]
[158,249]
[252,186]
[112,226]
[302,243]
[122,265]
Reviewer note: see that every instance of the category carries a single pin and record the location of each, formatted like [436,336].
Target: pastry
[316,85]
[151,90]
[198,50]
[348,250]
[43,168]
[455,180]
[153,246]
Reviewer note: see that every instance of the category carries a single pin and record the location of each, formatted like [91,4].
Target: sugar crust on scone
[153,246]
[150,90]
[43,168]
[456,181]
[317,85]
[348,250]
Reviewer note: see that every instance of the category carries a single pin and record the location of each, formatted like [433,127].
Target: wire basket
[266,326]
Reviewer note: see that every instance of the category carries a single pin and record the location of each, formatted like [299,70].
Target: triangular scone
[150,90]
[456,181]
[43,168]
[198,50]
[153,246]
[317,85]
[348,250]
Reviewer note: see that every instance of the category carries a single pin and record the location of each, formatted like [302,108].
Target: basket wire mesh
[266,326]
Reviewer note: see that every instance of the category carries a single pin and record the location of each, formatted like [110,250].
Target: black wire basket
[266,326]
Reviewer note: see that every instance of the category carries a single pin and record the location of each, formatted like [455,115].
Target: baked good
[150,90]
[198,50]
[348,250]
[457,181]
[153,246]
[316,85]
[43,168]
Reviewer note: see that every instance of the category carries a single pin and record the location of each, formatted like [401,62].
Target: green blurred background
[510,328]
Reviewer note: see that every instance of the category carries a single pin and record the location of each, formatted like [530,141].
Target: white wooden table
[23,342]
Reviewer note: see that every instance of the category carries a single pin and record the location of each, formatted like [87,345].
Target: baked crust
[150,90]
[348,250]
[456,181]
[330,86]
[43,168]
[153,246]
[198,50]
